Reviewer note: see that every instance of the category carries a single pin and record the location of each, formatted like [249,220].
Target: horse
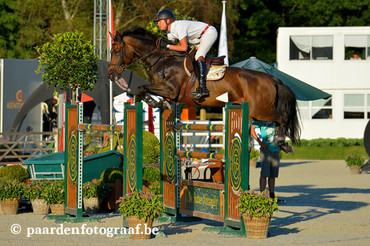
[269,99]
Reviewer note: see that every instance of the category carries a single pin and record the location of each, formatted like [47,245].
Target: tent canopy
[302,90]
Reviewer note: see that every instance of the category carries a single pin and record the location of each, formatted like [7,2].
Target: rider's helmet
[164,14]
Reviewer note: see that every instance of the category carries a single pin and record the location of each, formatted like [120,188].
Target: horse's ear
[118,36]
[111,35]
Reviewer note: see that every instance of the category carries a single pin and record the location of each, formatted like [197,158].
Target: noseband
[121,66]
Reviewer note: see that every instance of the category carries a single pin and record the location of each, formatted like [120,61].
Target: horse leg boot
[203,91]
[150,101]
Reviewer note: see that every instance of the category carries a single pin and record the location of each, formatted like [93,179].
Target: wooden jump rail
[202,155]
[104,128]
[197,127]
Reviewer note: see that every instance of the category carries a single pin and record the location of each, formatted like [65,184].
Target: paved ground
[326,205]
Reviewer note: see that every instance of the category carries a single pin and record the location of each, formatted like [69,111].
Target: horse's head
[120,57]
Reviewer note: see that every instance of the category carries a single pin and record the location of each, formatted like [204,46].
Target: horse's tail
[286,102]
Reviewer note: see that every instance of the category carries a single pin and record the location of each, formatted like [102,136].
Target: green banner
[203,200]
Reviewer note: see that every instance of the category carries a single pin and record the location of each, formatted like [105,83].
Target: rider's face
[162,25]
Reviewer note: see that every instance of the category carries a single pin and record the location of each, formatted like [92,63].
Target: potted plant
[36,192]
[93,193]
[256,209]
[140,208]
[355,161]
[253,157]
[55,196]
[10,193]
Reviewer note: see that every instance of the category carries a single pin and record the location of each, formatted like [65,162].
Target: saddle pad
[216,72]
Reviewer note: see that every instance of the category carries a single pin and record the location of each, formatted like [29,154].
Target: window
[311,47]
[356,106]
[357,47]
[318,109]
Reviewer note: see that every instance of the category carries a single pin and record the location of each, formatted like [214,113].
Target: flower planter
[57,209]
[40,206]
[256,227]
[91,205]
[1,208]
[133,221]
[355,169]
[252,163]
[10,206]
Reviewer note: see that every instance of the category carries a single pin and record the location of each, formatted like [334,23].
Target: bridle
[120,66]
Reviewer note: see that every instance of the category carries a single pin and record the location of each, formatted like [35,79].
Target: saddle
[215,71]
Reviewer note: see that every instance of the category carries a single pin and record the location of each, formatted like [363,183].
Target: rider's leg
[203,91]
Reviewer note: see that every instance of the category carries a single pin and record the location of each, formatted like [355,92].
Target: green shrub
[254,154]
[150,148]
[329,142]
[151,174]
[110,175]
[17,172]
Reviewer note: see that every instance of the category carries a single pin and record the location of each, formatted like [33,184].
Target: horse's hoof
[287,148]
[164,104]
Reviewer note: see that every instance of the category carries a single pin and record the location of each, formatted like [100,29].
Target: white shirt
[184,28]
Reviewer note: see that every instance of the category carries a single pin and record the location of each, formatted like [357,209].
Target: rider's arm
[254,135]
[183,46]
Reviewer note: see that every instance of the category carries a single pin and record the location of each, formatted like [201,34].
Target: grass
[323,153]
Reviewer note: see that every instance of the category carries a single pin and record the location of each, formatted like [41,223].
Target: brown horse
[269,99]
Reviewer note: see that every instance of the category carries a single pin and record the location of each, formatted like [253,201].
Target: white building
[324,57]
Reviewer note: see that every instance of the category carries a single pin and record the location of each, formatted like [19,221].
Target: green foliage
[95,189]
[329,142]
[10,189]
[153,26]
[150,148]
[69,62]
[36,189]
[9,26]
[110,175]
[16,172]
[55,192]
[141,205]
[155,188]
[254,154]
[257,204]
[151,174]
[354,159]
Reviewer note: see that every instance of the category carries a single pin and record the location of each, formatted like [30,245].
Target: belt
[205,29]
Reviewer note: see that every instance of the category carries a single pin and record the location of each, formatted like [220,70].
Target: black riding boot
[203,91]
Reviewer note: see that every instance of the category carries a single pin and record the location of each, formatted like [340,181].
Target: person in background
[195,32]
[270,155]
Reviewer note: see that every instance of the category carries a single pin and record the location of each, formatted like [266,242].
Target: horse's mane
[140,32]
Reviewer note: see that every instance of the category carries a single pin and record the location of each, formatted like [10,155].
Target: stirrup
[199,94]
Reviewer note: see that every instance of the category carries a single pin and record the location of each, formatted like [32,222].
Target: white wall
[336,77]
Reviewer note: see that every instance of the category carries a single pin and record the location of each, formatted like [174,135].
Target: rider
[194,32]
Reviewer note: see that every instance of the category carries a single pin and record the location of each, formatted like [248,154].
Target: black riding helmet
[164,14]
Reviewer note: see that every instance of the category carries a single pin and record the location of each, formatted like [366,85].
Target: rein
[122,67]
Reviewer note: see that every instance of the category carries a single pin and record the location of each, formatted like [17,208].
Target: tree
[69,62]
[9,28]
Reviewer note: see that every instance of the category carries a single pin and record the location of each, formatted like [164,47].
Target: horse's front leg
[151,101]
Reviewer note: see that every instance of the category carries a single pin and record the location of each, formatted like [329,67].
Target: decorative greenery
[150,148]
[110,175]
[331,142]
[10,189]
[17,172]
[254,154]
[155,188]
[151,174]
[257,204]
[95,188]
[36,189]
[55,191]
[69,62]
[141,205]
[354,159]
